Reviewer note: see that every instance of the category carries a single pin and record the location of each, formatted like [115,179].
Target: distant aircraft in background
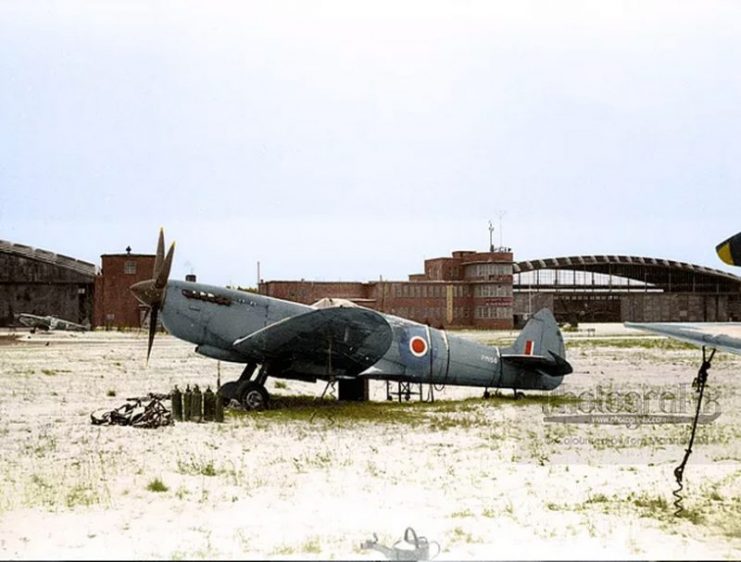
[49,323]
[344,344]
[724,336]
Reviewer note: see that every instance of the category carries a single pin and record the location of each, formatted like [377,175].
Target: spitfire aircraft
[49,323]
[344,344]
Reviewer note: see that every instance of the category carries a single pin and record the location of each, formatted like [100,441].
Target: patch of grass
[464,513]
[693,515]
[647,342]
[312,546]
[81,495]
[197,466]
[157,485]
[650,503]
[283,549]
[462,413]
[555,506]
[598,498]
[459,535]
[208,469]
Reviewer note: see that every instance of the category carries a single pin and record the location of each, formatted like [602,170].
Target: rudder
[540,335]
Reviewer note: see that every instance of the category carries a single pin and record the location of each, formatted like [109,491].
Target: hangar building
[44,283]
[625,288]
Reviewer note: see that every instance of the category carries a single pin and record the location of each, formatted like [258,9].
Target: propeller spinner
[152,291]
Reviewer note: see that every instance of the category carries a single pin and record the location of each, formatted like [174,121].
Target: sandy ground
[483,479]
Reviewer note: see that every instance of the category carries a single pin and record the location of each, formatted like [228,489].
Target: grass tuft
[157,485]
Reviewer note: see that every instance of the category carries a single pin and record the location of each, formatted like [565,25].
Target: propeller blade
[730,250]
[152,329]
[160,255]
[164,273]
[151,292]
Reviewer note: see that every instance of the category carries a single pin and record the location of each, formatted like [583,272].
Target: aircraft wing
[71,326]
[725,336]
[344,341]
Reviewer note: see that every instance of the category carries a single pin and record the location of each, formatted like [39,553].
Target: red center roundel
[418,346]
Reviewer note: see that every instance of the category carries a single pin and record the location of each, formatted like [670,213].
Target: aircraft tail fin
[540,346]
[540,335]
[730,250]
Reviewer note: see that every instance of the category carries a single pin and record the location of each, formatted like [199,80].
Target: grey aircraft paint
[298,341]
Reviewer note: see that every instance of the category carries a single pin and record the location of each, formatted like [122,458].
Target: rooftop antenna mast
[500,214]
[491,237]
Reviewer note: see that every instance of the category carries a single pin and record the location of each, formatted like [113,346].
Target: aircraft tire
[253,396]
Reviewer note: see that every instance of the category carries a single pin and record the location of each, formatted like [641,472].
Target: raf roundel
[418,346]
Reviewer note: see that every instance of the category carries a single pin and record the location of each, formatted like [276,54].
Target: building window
[130,267]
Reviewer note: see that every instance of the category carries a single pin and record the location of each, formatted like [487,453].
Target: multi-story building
[468,289]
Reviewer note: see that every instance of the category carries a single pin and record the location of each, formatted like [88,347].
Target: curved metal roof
[58,260]
[668,274]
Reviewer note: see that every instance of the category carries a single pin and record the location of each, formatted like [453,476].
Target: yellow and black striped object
[730,250]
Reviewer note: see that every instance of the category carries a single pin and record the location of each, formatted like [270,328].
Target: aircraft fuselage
[214,318]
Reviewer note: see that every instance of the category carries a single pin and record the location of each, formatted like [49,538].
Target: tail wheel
[253,396]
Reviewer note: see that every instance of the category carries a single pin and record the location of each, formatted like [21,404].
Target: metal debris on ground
[411,547]
[136,413]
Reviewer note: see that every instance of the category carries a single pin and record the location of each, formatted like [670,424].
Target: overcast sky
[352,140]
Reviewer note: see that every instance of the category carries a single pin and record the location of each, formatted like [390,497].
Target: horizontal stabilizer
[555,365]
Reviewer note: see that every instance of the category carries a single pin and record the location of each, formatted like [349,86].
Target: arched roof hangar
[666,275]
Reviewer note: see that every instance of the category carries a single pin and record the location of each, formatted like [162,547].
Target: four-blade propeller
[152,291]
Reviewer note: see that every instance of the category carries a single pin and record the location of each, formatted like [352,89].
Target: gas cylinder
[187,399]
[209,404]
[219,407]
[176,400]
[196,404]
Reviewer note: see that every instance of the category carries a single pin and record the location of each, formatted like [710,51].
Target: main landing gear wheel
[253,396]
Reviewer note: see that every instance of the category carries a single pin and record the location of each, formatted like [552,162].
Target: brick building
[115,305]
[468,289]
